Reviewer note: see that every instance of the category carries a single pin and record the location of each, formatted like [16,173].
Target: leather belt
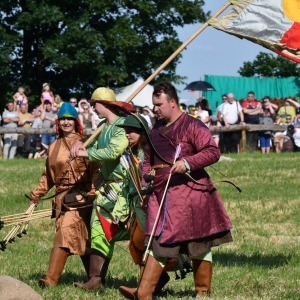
[160,166]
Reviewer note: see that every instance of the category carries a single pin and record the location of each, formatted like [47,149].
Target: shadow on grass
[178,294]
[112,283]
[65,279]
[68,278]
[115,282]
[267,261]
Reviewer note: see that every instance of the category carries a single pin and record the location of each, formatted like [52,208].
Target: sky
[212,52]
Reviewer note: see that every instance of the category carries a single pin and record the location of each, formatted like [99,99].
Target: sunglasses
[73,102]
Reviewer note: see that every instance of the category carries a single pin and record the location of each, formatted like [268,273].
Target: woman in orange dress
[75,183]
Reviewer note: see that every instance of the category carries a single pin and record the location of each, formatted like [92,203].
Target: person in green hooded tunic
[134,158]
[107,148]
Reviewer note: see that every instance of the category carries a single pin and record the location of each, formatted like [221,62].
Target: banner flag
[274,24]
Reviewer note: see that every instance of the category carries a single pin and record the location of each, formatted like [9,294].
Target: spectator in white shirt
[10,120]
[232,113]
[220,107]
[202,113]
[292,137]
[148,115]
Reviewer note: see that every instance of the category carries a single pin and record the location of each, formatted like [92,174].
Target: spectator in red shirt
[251,110]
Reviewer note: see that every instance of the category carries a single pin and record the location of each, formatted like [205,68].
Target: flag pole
[157,71]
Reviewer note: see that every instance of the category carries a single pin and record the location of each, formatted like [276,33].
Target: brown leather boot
[164,278]
[202,276]
[58,258]
[148,281]
[97,273]
[127,292]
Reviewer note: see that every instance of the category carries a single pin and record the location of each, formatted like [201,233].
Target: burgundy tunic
[190,211]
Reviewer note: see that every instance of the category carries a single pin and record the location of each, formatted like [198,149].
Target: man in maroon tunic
[193,218]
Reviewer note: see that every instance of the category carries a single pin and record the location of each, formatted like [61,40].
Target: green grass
[262,262]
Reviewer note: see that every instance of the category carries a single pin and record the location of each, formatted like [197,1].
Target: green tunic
[107,149]
[129,192]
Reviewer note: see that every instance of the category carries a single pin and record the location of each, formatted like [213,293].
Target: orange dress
[80,176]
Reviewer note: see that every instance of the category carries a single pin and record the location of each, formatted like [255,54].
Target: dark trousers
[231,141]
[23,145]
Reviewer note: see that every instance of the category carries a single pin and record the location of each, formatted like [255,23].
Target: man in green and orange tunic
[107,148]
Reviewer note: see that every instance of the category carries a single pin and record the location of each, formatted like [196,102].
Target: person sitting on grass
[37,151]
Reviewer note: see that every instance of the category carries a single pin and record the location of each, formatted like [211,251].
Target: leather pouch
[74,199]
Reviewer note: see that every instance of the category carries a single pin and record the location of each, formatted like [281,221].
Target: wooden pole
[244,142]
[178,149]
[20,215]
[30,218]
[188,41]
[16,228]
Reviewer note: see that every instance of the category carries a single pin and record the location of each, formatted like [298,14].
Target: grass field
[263,262]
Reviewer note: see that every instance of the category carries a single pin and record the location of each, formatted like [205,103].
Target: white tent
[143,98]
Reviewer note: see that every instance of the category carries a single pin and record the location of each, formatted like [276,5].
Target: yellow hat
[107,96]
[103,93]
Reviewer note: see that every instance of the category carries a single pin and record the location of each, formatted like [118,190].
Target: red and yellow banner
[273,24]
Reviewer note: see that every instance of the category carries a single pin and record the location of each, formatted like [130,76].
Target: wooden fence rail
[88,132]
[248,127]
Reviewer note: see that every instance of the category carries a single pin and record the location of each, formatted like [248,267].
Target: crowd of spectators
[228,113]
[18,114]
[251,111]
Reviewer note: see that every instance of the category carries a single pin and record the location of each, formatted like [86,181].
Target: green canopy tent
[240,86]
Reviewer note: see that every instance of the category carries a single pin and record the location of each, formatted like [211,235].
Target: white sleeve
[223,109]
[239,107]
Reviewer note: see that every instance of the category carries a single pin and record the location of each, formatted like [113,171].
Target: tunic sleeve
[45,184]
[146,164]
[207,152]
[117,145]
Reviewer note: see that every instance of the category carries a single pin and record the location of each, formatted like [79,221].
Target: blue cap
[67,110]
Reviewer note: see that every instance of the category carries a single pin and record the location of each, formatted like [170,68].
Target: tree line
[269,65]
[82,44]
